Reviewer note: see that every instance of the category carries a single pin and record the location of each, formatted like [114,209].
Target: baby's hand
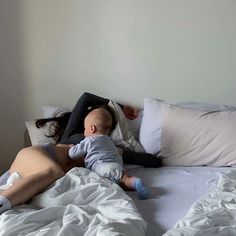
[71,145]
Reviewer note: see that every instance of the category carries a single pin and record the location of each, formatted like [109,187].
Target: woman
[36,168]
[39,166]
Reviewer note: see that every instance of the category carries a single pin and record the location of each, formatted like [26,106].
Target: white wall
[53,50]
[13,88]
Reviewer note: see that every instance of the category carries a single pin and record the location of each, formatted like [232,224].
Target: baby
[101,155]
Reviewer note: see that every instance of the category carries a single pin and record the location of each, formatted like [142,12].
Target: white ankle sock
[5,204]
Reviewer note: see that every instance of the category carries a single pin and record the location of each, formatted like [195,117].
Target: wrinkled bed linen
[4,177]
[214,214]
[173,190]
[80,203]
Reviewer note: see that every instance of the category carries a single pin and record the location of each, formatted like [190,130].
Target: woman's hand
[130,112]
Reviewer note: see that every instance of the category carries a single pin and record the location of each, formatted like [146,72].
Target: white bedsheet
[214,214]
[80,203]
[173,191]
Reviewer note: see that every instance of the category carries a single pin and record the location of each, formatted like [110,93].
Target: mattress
[173,190]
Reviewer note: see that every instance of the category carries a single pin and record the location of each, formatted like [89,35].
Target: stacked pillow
[189,134]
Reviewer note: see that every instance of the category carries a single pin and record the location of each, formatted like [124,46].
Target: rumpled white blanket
[80,203]
[214,214]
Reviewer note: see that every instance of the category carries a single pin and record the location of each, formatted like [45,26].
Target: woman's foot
[4,204]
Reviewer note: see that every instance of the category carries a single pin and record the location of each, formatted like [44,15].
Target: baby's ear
[93,128]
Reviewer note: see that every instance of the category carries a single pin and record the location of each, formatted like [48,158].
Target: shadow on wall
[12,82]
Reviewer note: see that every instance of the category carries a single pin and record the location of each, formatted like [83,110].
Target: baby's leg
[135,184]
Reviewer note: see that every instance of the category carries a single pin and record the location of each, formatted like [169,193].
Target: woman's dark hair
[58,123]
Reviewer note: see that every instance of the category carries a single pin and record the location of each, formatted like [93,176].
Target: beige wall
[53,50]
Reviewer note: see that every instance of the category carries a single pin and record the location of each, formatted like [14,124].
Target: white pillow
[150,129]
[135,124]
[38,136]
[193,137]
[204,106]
[189,133]
[122,135]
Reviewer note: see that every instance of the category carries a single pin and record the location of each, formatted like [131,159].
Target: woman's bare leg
[38,172]
[23,190]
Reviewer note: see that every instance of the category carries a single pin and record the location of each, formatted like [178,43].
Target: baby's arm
[77,151]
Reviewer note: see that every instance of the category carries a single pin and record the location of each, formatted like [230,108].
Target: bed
[193,194]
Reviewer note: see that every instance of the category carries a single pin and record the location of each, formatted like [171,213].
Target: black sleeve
[76,121]
[141,158]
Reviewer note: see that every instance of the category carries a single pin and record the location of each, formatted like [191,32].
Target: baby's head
[98,121]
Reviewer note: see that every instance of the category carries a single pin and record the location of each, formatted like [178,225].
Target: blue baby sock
[4,204]
[141,189]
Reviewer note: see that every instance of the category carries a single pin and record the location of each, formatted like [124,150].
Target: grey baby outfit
[101,156]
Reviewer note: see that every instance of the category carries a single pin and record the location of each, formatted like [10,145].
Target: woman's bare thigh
[32,160]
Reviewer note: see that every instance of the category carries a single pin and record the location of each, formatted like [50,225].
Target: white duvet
[214,214]
[80,203]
